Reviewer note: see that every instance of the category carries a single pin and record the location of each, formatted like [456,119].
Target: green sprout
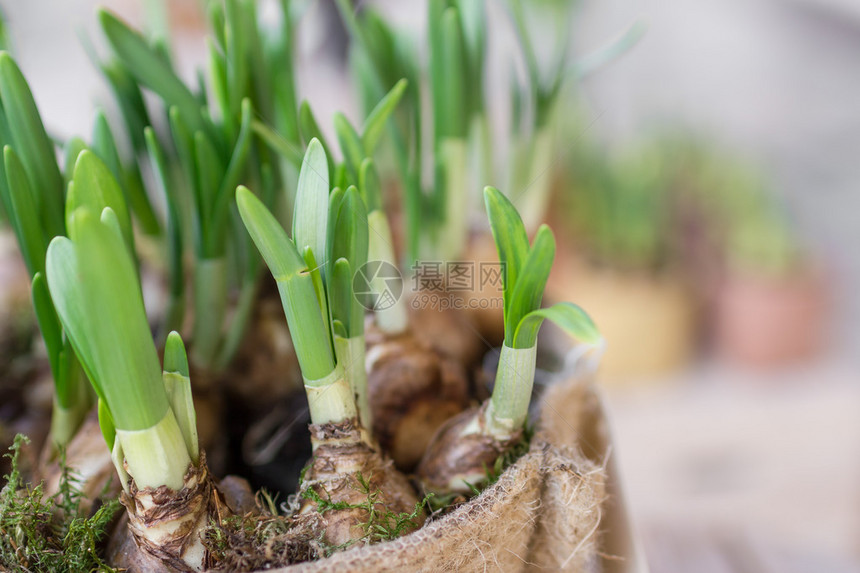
[314,271]
[145,410]
[473,448]
[31,190]
[358,169]
[146,417]
[462,152]
[526,270]
[215,142]
[436,222]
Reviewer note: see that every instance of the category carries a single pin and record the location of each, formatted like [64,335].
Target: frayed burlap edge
[543,513]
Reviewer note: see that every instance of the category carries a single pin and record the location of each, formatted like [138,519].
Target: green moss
[509,457]
[39,533]
[382,524]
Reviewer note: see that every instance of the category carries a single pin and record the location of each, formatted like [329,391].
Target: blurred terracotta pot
[648,320]
[771,321]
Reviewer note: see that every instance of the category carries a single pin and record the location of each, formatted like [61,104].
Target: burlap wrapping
[543,513]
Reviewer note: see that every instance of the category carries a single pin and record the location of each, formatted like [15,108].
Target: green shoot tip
[175,357]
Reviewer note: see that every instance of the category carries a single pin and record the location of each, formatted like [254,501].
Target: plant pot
[558,508]
[648,320]
[774,321]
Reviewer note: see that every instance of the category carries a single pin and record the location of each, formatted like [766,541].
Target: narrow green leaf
[335,199]
[447,65]
[94,187]
[290,151]
[111,221]
[510,236]
[211,287]
[348,15]
[568,316]
[64,269]
[177,385]
[341,176]
[209,173]
[6,136]
[176,270]
[218,75]
[32,143]
[217,23]
[339,330]
[341,297]
[350,145]
[310,215]
[370,185]
[150,69]
[260,84]
[374,125]
[139,201]
[278,251]
[71,387]
[24,213]
[72,149]
[350,242]
[130,182]
[106,424]
[178,390]
[5,195]
[104,145]
[202,90]
[97,295]
[351,230]
[315,271]
[309,129]
[156,21]
[280,60]
[528,290]
[473,18]
[127,93]
[518,98]
[5,40]
[367,79]
[311,334]
[236,35]
[235,167]
[183,141]
[49,323]
[244,308]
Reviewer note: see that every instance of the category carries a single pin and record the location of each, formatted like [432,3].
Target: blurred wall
[779,79]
